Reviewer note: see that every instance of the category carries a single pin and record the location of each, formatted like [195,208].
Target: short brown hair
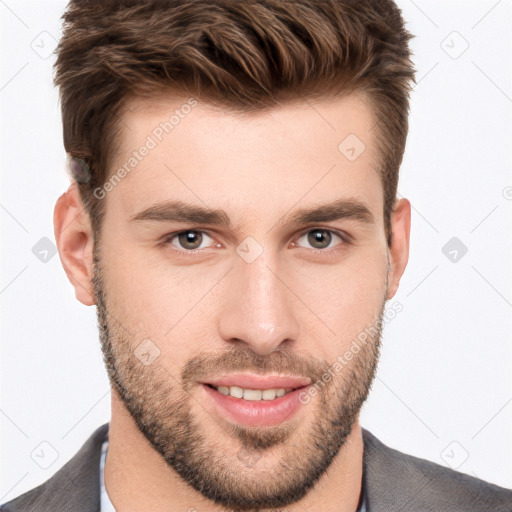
[242,55]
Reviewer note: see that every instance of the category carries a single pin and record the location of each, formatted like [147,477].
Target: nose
[258,308]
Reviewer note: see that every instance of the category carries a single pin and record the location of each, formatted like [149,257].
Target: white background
[444,386]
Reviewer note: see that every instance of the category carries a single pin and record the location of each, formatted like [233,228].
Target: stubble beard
[161,407]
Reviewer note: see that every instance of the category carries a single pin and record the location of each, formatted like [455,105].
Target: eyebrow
[179,211]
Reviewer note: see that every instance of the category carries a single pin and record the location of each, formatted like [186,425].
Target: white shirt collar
[106,504]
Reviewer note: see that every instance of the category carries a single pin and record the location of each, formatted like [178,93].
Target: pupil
[315,238]
[187,239]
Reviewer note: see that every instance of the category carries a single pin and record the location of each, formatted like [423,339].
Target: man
[233,217]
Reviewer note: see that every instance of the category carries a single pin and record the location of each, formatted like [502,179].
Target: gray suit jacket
[394,482]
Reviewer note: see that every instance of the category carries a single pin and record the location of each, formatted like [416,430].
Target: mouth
[253,395]
[253,407]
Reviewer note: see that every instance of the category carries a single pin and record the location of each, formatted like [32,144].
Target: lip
[255,413]
[252,381]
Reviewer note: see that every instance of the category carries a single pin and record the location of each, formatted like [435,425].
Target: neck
[137,477]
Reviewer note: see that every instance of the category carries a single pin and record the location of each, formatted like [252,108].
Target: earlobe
[399,250]
[75,242]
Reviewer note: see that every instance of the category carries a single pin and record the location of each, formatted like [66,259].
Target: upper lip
[251,381]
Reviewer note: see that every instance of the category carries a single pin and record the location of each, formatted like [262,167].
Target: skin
[290,311]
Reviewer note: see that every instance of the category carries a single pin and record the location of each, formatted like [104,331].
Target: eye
[320,239]
[186,241]
[191,241]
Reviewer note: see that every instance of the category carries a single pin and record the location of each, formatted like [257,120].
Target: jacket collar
[391,479]
[396,481]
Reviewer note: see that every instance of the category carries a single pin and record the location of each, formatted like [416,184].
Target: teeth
[252,394]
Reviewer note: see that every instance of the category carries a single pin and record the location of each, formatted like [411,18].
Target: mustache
[237,360]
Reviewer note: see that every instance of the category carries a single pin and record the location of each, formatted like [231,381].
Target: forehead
[299,152]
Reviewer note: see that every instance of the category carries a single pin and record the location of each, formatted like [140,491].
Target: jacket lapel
[73,488]
[394,480]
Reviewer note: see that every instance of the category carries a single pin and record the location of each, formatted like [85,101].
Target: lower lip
[256,413]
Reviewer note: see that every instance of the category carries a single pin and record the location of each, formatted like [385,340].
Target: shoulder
[73,488]
[398,481]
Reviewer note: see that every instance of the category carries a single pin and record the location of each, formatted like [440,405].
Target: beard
[161,406]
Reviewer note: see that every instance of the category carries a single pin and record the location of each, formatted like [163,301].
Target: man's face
[263,296]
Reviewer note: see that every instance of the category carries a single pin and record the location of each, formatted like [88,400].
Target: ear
[399,249]
[75,242]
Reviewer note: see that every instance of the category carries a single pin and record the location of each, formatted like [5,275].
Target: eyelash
[345,240]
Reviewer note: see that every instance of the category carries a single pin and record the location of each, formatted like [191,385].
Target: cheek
[347,297]
[133,291]
[154,300]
